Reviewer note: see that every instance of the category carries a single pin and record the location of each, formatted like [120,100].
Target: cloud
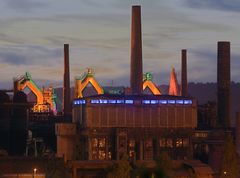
[225,5]
[29,55]
[24,5]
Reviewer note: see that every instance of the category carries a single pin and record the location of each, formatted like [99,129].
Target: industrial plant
[99,128]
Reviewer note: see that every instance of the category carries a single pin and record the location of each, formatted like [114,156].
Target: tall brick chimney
[184,83]
[66,83]
[237,133]
[223,83]
[136,75]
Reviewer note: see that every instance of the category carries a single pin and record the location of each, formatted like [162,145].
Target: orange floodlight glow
[147,83]
[82,84]
[45,102]
[35,90]
[152,87]
[173,84]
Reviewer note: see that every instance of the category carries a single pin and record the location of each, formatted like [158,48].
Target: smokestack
[223,83]
[66,83]
[237,133]
[136,52]
[184,83]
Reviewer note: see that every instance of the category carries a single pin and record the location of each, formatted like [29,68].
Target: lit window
[179,101]
[102,142]
[162,101]
[94,142]
[131,143]
[179,142]
[112,101]
[131,146]
[154,101]
[171,101]
[162,142]
[101,154]
[128,101]
[78,102]
[103,101]
[187,101]
[99,149]
[109,155]
[146,101]
[94,101]
[120,101]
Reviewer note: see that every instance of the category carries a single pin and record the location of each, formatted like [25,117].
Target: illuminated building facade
[140,126]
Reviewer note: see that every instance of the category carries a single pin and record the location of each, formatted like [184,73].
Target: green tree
[229,165]
[142,172]
[121,169]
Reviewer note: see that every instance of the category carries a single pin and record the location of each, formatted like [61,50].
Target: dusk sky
[33,32]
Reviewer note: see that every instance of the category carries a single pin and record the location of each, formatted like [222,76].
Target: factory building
[107,126]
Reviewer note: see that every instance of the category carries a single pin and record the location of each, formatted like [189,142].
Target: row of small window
[111,101]
[78,102]
[169,143]
[103,101]
[167,101]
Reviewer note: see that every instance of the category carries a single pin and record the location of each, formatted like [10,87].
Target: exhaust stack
[223,83]
[66,83]
[184,83]
[136,74]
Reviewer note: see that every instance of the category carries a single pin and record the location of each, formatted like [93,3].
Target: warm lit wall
[65,133]
[137,115]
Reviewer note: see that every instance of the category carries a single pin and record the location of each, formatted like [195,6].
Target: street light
[34,172]
[225,173]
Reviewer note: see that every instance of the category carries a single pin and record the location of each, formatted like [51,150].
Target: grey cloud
[9,39]
[225,5]
[12,58]
[29,55]
[203,64]
[24,5]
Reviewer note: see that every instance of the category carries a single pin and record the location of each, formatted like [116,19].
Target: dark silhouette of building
[18,124]
[4,120]
[223,81]
[207,115]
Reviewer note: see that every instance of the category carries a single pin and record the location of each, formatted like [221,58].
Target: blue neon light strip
[179,101]
[120,101]
[171,101]
[78,102]
[187,101]
[112,101]
[130,101]
[94,101]
[154,101]
[103,101]
[162,101]
[146,101]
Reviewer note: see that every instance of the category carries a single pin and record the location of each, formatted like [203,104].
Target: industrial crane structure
[82,82]
[45,101]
